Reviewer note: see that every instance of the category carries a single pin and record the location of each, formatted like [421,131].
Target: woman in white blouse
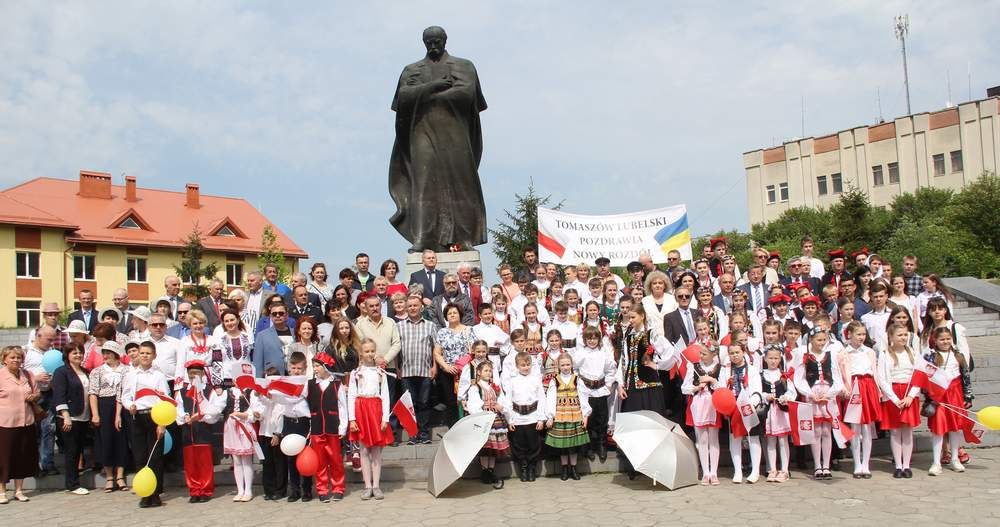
[658,302]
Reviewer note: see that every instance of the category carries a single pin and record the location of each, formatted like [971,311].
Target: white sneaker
[957,465]
[935,469]
[738,479]
[80,491]
[753,478]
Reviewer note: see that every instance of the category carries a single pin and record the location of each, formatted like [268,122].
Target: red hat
[716,241]
[794,288]
[836,253]
[194,363]
[325,359]
[773,255]
[864,250]
[811,299]
[779,299]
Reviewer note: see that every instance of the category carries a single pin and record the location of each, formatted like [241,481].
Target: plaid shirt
[417,353]
[914,284]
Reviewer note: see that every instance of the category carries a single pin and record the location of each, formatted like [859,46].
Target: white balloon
[292,444]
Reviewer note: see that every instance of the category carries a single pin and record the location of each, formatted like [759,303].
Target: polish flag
[286,389]
[973,432]
[406,414]
[801,417]
[550,237]
[931,378]
[245,378]
[746,410]
[842,433]
[852,414]
[149,392]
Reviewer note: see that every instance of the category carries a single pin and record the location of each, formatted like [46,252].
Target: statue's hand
[441,84]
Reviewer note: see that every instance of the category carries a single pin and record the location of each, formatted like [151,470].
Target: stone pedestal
[447,262]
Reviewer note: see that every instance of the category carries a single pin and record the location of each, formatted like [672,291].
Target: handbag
[36,409]
[929,408]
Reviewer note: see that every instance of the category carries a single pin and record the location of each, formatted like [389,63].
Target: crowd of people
[556,352]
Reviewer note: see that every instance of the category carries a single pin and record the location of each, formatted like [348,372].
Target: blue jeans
[47,434]
[420,392]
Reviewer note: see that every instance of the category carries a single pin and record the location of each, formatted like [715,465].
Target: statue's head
[434,40]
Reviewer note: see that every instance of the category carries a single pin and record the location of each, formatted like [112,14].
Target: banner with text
[565,238]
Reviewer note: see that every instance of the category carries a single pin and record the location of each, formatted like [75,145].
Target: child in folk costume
[717,319]
[485,395]
[819,382]
[901,407]
[700,380]
[567,409]
[198,407]
[569,329]
[519,342]
[644,353]
[595,364]
[951,412]
[368,408]
[480,354]
[740,340]
[239,439]
[553,350]
[327,399]
[534,330]
[864,405]
[743,379]
[777,390]
[525,416]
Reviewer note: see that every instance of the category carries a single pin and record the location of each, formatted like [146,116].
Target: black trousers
[275,468]
[597,425]
[444,387]
[297,483]
[526,443]
[143,441]
[73,442]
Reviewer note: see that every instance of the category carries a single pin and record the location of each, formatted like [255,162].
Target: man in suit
[299,279]
[755,289]
[469,289]
[429,277]
[451,295]
[363,280]
[268,347]
[724,300]
[213,304]
[301,306]
[798,273]
[120,299]
[172,293]
[678,325]
[87,313]
[256,299]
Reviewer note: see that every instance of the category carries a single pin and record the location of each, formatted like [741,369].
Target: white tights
[901,441]
[773,445]
[243,472]
[822,446]
[955,440]
[861,447]
[708,450]
[371,465]
[736,452]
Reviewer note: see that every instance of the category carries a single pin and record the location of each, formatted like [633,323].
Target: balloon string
[956,409]
[153,450]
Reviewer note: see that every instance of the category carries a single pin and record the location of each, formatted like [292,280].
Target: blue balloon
[168,442]
[52,360]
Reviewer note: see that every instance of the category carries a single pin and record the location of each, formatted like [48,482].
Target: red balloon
[724,401]
[692,353]
[307,462]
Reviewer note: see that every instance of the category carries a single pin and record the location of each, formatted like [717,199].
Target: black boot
[532,471]
[484,476]
[573,473]
[524,472]
[565,473]
[591,455]
[492,474]
[602,449]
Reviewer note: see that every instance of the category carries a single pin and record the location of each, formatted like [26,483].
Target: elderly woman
[103,332]
[199,345]
[658,302]
[18,435]
[451,343]
[70,388]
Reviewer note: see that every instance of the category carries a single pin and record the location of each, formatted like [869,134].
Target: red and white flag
[746,410]
[245,378]
[149,392]
[973,432]
[801,417]
[286,389]
[842,433]
[406,414]
[852,414]
[930,378]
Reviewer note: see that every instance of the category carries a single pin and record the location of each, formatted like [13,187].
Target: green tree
[793,224]
[271,253]
[737,244]
[856,223]
[191,270]
[975,209]
[520,231]
[942,250]
[926,204]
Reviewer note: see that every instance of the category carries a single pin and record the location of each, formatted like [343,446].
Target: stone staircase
[977,304]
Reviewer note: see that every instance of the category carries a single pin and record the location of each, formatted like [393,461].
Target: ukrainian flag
[675,236]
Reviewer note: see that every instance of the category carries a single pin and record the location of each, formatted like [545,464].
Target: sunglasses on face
[684,297]
[278,314]
[182,312]
[158,324]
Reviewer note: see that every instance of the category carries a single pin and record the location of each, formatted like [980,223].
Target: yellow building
[58,237]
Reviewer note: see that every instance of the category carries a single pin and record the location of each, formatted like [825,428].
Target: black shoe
[268,497]
[144,503]
[602,452]
[632,474]
[573,473]
[493,475]
[532,471]
[194,499]
[907,473]
[157,502]
[205,499]
[898,474]
[591,454]
[866,475]
[323,498]
[307,497]
[523,472]
[413,441]
[293,497]
[565,473]
[337,496]
[484,476]
[858,475]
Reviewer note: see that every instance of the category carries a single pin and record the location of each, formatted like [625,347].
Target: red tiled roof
[50,202]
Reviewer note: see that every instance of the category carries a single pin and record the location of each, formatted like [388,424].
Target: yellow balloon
[163,413]
[990,417]
[144,483]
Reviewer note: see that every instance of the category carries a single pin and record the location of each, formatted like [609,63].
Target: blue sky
[613,107]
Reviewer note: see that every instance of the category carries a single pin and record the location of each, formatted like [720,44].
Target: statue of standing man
[434,170]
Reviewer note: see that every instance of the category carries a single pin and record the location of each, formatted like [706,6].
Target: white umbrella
[459,446]
[658,448]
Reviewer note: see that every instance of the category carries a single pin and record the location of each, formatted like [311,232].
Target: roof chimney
[130,188]
[95,184]
[193,200]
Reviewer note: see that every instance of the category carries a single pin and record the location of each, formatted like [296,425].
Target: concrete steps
[976,305]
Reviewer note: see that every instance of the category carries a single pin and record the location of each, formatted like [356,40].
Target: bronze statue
[434,170]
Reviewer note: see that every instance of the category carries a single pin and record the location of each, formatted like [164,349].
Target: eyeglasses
[278,313]
[158,324]
[182,312]
[51,313]
[684,297]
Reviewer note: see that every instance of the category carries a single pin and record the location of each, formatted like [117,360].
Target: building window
[893,173]
[29,313]
[226,231]
[956,161]
[877,179]
[783,191]
[234,273]
[83,267]
[938,164]
[136,270]
[771,195]
[838,183]
[129,223]
[27,265]
[821,185]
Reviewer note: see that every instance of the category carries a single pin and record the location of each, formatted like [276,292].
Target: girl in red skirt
[901,407]
[700,379]
[864,400]
[368,410]
[958,397]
